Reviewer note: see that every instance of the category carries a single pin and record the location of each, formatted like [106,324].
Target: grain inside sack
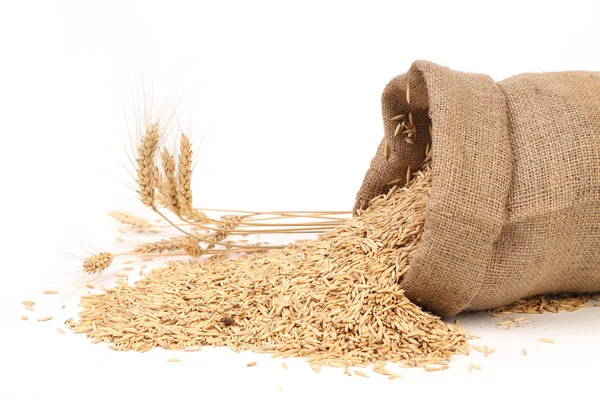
[473,200]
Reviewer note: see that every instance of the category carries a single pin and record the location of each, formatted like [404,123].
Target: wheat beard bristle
[98,263]
[146,169]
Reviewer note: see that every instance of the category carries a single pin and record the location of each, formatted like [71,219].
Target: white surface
[285,100]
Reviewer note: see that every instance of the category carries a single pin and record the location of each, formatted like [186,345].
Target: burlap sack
[514,207]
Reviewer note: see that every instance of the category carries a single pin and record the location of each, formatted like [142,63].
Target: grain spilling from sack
[336,300]
[514,204]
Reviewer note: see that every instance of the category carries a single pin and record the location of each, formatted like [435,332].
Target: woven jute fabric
[514,207]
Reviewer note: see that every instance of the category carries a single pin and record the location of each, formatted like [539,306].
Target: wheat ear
[130,219]
[146,169]
[98,263]
[184,177]
[163,246]
[168,184]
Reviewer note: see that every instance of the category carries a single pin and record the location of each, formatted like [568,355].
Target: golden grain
[407,93]
[284,365]
[386,150]
[61,331]
[251,364]
[45,319]
[24,317]
[50,292]
[360,373]
[545,340]
[524,352]
[398,128]
[173,360]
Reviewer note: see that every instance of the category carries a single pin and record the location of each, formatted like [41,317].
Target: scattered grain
[24,317]
[44,319]
[345,308]
[545,340]
[360,373]
[50,292]
[251,364]
[61,331]
[173,360]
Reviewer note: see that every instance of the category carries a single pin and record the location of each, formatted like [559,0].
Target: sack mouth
[407,138]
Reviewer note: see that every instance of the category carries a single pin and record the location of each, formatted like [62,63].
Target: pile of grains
[335,300]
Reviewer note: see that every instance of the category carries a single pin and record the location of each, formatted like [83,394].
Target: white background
[284,102]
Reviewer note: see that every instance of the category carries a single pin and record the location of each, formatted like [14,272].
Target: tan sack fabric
[514,207]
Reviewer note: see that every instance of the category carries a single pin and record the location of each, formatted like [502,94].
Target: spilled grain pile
[335,300]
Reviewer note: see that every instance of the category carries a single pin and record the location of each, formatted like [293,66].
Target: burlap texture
[514,207]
